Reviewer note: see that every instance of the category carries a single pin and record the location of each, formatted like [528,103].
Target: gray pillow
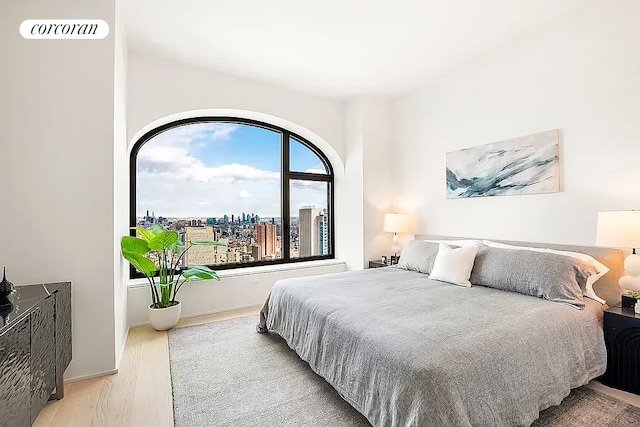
[545,275]
[419,256]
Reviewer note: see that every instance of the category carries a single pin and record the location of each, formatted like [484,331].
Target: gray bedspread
[408,351]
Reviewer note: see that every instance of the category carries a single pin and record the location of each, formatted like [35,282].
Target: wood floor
[140,393]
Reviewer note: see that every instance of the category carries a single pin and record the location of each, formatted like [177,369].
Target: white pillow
[601,268]
[454,265]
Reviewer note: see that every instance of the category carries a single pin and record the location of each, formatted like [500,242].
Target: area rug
[225,374]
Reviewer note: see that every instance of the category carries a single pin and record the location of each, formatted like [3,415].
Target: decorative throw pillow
[454,265]
[587,290]
[419,256]
[545,275]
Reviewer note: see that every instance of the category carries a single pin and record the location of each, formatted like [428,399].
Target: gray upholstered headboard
[607,287]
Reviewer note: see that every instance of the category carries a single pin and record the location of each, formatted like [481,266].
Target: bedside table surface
[377,263]
[627,312]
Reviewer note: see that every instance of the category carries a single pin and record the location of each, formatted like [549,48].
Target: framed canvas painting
[524,165]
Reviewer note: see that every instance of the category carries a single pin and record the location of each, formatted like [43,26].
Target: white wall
[580,74]
[159,87]
[56,146]
[352,186]
[120,182]
[367,178]
[378,181]
[241,288]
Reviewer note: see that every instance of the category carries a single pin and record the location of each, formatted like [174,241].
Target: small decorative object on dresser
[157,254]
[622,338]
[6,287]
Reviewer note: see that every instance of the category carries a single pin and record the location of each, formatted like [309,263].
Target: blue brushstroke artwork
[525,165]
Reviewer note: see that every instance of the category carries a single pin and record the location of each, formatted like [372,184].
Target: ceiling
[335,48]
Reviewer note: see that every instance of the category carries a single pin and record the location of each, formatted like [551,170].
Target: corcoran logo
[64,29]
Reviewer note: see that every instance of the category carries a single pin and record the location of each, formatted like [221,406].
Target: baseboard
[632,399]
[124,346]
[88,377]
[205,313]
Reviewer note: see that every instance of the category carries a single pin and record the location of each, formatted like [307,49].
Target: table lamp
[395,223]
[621,229]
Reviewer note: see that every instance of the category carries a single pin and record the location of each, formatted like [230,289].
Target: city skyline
[247,237]
[209,169]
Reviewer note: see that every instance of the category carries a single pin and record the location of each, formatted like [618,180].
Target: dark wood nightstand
[622,337]
[377,263]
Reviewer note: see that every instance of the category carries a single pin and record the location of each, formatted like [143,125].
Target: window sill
[247,271]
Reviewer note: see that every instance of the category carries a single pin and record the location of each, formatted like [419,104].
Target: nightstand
[622,337]
[377,263]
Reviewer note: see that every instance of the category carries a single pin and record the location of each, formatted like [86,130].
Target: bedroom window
[265,192]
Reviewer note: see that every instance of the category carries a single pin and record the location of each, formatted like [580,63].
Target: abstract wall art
[524,165]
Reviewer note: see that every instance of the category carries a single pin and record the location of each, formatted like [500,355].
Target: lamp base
[630,283]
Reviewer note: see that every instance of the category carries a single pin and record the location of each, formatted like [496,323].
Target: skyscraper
[200,254]
[266,240]
[308,231]
[322,223]
[255,253]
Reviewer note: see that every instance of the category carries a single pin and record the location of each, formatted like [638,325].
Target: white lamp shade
[618,229]
[396,223]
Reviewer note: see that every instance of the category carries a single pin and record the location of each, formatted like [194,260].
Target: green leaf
[156,229]
[200,272]
[140,263]
[144,234]
[206,243]
[163,240]
[200,267]
[177,248]
[134,244]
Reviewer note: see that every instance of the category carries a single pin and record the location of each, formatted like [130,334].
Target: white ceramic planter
[163,319]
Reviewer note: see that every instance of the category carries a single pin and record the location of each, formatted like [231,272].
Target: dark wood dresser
[35,350]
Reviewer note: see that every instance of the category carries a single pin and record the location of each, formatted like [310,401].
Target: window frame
[286,176]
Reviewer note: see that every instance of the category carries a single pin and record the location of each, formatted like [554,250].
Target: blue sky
[212,169]
[251,145]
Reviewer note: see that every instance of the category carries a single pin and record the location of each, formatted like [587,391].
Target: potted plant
[157,253]
[636,295]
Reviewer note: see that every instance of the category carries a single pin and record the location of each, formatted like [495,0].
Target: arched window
[263,191]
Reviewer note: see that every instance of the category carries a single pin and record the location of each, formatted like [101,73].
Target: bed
[406,350]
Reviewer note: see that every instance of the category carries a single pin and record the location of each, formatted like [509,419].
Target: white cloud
[319,168]
[174,183]
[223,130]
[309,185]
[167,157]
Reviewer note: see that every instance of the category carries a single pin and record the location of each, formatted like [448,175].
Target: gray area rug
[226,374]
